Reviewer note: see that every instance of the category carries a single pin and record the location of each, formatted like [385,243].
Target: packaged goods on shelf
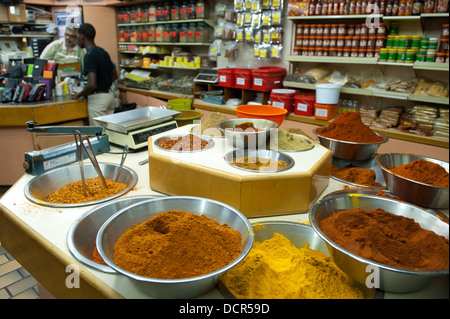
[441,125]
[388,117]
[402,86]
[368,115]
[425,115]
[431,88]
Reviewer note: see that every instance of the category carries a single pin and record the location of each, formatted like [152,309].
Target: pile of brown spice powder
[177,244]
[387,238]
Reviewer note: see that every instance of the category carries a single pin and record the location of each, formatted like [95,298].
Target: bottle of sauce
[318,9]
[417,7]
[312,8]
[325,7]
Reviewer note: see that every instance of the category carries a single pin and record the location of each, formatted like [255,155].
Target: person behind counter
[65,50]
[100,73]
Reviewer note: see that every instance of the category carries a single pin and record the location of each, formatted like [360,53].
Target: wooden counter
[36,237]
[15,140]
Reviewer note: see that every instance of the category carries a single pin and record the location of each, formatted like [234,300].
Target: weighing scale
[37,162]
[134,127]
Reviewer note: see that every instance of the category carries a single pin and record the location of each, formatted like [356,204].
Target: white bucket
[327,93]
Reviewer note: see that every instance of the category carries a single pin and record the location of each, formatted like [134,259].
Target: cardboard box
[3,12]
[17,13]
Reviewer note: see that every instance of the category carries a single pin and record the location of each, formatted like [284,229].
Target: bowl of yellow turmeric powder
[175,246]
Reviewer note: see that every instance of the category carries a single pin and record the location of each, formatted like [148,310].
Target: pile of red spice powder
[423,171]
[349,127]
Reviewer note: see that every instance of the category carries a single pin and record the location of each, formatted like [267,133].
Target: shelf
[140,53]
[328,59]
[336,17]
[376,93]
[209,22]
[435,15]
[431,66]
[399,18]
[26,35]
[166,43]
[155,67]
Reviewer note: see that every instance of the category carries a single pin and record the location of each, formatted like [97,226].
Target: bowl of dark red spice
[420,180]
[383,242]
[349,138]
[175,247]
[247,132]
[184,143]
[82,233]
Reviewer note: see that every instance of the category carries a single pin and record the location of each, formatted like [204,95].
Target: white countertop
[53,224]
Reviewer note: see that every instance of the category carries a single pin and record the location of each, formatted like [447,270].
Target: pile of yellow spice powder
[276,269]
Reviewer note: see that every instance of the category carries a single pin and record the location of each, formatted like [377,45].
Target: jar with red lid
[354,53]
[334,30]
[312,41]
[355,42]
[299,29]
[326,51]
[319,41]
[299,40]
[380,41]
[326,29]
[381,29]
[306,28]
[358,29]
[305,51]
[371,42]
[445,31]
[351,29]
[342,29]
[333,41]
[333,51]
[444,45]
[311,51]
[297,50]
[340,52]
[361,53]
[370,53]
[326,42]
[313,29]
[363,42]
[319,29]
[305,41]
[348,41]
[340,42]
[319,51]
[347,52]
[363,31]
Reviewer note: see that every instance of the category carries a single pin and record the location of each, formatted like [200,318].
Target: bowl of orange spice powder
[349,138]
[420,180]
[175,246]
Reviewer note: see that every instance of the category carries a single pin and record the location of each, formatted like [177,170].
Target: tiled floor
[15,281]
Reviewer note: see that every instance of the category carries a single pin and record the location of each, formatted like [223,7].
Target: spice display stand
[206,174]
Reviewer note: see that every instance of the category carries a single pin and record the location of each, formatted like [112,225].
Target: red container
[283,98]
[267,78]
[304,104]
[325,112]
[243,78]
[227,77]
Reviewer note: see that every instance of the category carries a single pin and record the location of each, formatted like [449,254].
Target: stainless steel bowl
[262,154]
[83,232]
[116,225]
[411,191]
[247,139]
[391,279]
[350,150]
[299,235]
[177,149]
[40,187]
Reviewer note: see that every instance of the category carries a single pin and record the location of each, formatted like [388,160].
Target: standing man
[100,73]
[65,50]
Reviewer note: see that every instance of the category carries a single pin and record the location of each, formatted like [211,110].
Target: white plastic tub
[327,93]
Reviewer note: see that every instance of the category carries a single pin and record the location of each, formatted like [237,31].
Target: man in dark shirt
[100,73]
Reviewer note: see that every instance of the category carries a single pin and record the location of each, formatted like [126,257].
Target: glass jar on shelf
[191,10]
[137,14]
[183,10]
[183,33]
[131,15]
[159,33]
[175,11]
[152,13]
[158,12]
[190,33]
[165,34]
[200,9]
[151,32]
[174,33]
[144,14]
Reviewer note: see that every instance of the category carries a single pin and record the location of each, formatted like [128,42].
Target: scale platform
[134,127]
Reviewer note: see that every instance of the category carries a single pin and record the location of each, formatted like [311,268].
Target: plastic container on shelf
[283,98]
[243,78]
[227,77]
[327,93]
[304,103]
[325,112]
[267,78]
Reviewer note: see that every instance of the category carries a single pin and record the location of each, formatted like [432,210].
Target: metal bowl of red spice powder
[137,213]
[414,191]
[366,271]
[346,150]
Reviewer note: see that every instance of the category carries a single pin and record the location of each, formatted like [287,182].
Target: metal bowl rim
[260,172]
[95,202]
[351,143]
[210,136]
[210,141]
[228,130]
[77,222]
[359,185]
[377,160]
[319,232]
[182,280]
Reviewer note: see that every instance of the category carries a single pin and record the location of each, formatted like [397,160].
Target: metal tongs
[79,141]
[124,156]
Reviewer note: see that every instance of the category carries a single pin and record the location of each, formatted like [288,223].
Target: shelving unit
[416,25]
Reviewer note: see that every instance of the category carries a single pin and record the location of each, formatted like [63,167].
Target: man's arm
[89,88]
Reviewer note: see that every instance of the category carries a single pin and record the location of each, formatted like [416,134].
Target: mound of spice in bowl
[386,238]
[349,127]
[177,244]
[187,143]
[276,269]
[356,175]
[423,171]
